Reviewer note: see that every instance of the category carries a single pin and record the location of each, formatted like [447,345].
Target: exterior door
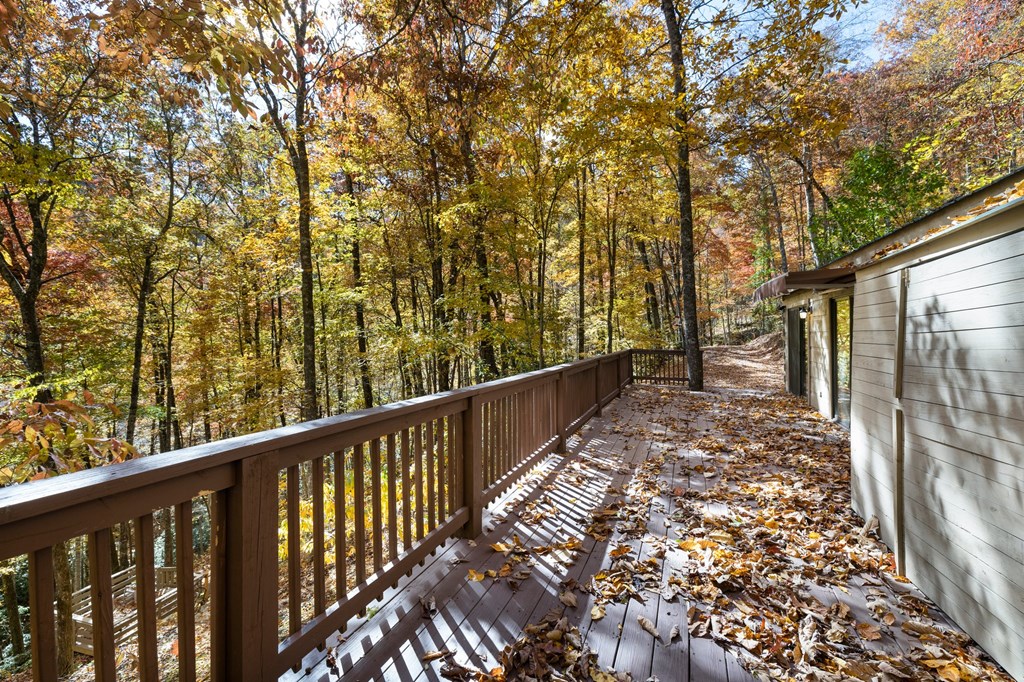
[796,344]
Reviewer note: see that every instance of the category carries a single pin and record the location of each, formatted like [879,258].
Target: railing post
[597,386]
[41,594]
[250,600]
[472,468]
[560,408]
[629,363]
[618,376]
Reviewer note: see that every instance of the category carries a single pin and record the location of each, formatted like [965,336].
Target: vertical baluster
[442,471]
[294,547]
[340,527]
[186,593]
[406,503]
[418,466]
[517,402]
[485,448]
[102,606]
[506,447]
[392,499]
[497,418]
[549,406]
[509,449]
[453,464]
[319,538]
[219,579]
[513,427]
[510,429]
[41,620]
[503,436]
[431,492]
[536,407]
[540,398]
[145,598]
[554,416]
[495,429]
[496,440]
[375,502]
[542,415]
[359,508]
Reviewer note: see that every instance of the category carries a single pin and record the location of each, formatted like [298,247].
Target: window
[841,323]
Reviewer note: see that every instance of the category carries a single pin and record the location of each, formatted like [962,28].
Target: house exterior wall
[819,335]
[937,434]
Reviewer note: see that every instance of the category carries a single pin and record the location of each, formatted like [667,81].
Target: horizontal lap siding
[966,602]
[963,397]
[874,350]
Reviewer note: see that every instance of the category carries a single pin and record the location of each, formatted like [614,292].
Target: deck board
[477,620]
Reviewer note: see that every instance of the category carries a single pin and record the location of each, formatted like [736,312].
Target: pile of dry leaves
[769,570]
[759,538]
[549,650]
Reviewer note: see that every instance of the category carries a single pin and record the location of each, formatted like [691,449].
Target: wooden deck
[476,620]
[611,461]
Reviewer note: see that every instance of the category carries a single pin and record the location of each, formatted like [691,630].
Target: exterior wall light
[803,312]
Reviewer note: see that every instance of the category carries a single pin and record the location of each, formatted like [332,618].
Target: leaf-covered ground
[733,526]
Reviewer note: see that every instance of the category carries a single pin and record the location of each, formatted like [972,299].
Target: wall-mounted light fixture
[803,312]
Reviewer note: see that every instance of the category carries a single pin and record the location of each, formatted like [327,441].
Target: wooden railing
[354,501]
[659,366]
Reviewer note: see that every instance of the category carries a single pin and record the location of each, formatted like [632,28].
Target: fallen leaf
[869,632]
[597,613]
[568,598]
[476,576]
[435,655]
[647,625]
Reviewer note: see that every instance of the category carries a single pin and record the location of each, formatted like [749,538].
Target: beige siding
[874,344]
[963,447]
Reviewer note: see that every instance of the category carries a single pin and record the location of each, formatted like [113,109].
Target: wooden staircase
[126,627]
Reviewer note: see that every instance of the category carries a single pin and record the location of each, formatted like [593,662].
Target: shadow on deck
[674,530]
[546,514]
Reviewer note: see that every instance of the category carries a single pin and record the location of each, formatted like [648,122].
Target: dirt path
[756,365]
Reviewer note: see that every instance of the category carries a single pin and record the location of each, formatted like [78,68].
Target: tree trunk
[653,311]
[611,220]
[694,358]
[145,286]
[324,368]
[65,624]
[357,276]
[808,171]
[766,175]
[10,594]
[309,401]
[581,219]
[485,346]
[35,363]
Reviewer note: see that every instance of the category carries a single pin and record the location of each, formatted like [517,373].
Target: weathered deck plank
[477,620]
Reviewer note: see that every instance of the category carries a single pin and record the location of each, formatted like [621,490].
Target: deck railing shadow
[474,626]
[355,501]
[962,425]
